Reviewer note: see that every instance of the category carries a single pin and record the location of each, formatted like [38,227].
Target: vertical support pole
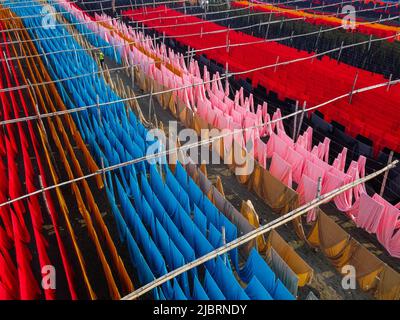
[386,175]
[354,85]
[340,51]
[150,102]
[98,109]
[319,187]
[276,63]
[223,234]
[295,120]
[390,80]
[44,193]
[268,25]
[369,42]
[301,119]
[103,172]
[133,76]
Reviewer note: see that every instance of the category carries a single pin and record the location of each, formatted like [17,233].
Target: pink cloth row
[376,215]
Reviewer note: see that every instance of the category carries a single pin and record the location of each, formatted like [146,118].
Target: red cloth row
[18,278]
[373,113]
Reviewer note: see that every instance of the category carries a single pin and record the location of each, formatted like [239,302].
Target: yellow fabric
[368,266]
[219,186]
[248,211]
[279,197]
[203,168]
[389,285]
[303,271]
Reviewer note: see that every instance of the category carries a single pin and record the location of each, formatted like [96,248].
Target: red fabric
[373,114]
[21,235]
[376,29]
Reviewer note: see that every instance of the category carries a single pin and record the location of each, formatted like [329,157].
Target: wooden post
[6,60]
[133,77]
[318,37]
[385,176]
[390,80]
[227,39]
[103,171]
[150,101]
[223,240]
[295,120]
[43,193]
[301,119]
[340,52]
[369,42]
[98,109]
[269,22]
[227,76]
[354,85]
[319,187]
[276,63]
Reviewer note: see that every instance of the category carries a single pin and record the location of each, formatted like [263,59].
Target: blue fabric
[178,293]
[211,288]
[256,291]
[281,292]
[256,266]
[215,237]
[198,291]
[227,283]
[177,190]
[200,220]
[182,176]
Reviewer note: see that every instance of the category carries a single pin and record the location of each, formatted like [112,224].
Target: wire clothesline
[204,142]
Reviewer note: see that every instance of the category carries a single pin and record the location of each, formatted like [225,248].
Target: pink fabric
[296,160]
[307,190]
[261,152]
[276,144]
[340,161]
[279,124]
[388,233]
[281,170]
[369,214]
[313,171]
[322,150]
[333,179]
